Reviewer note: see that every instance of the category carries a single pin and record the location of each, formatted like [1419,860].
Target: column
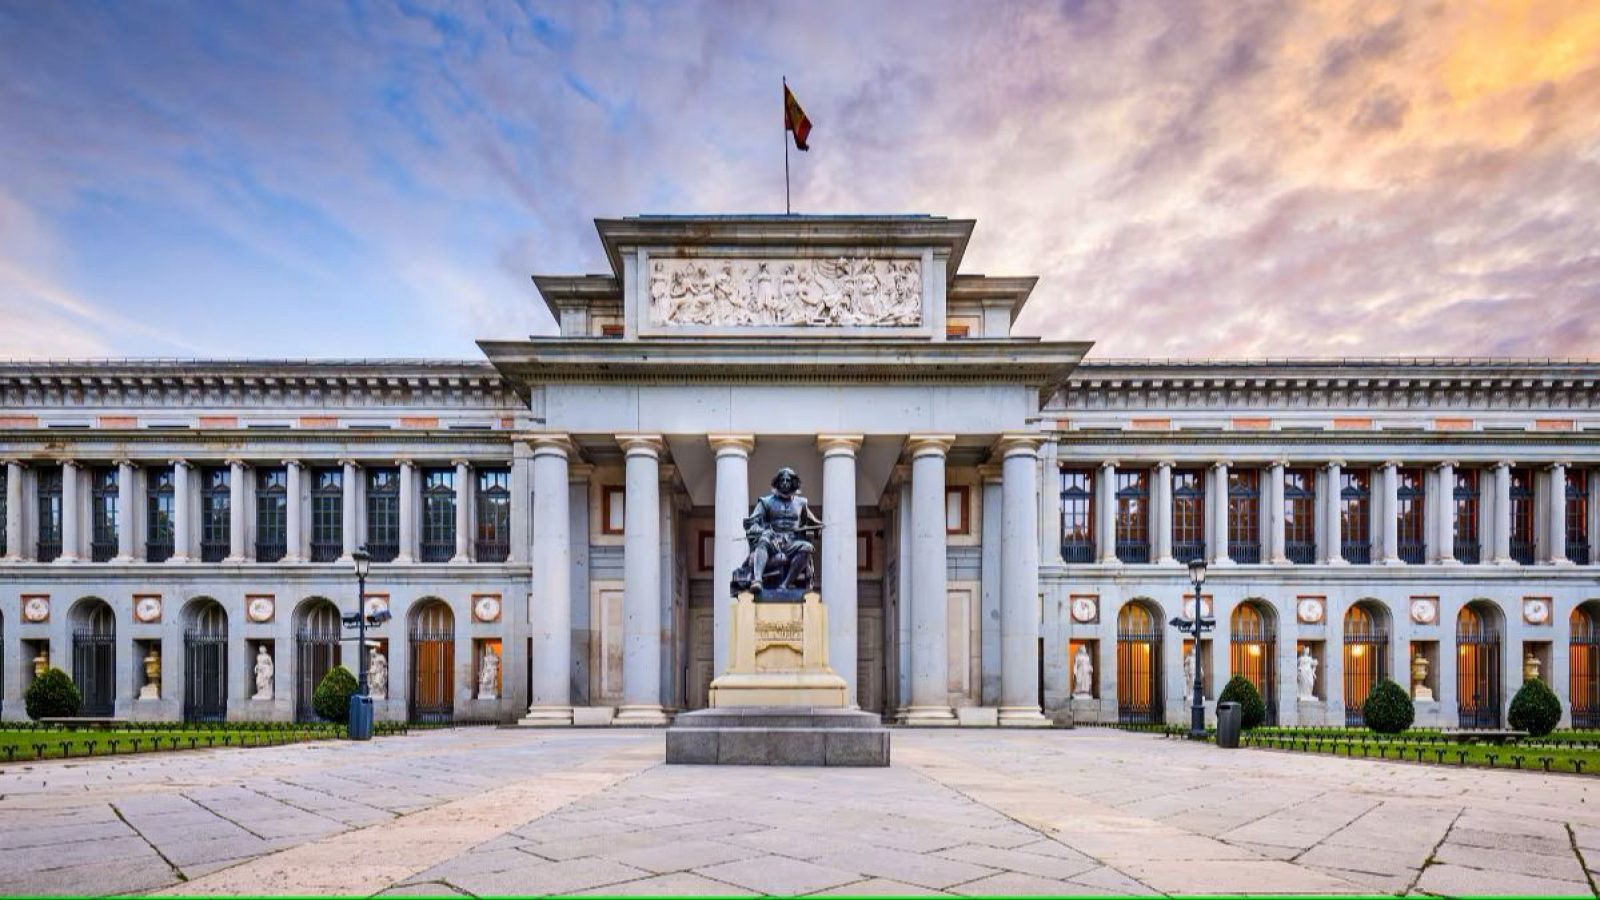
[13,523]
[463,512]
[550,601]
[1389,513]
[1161,513]
[1556,531]
[838,558]
[408,512]
[1049,504]
[238,547]
[182,521]
[1501,533]
[1594,516]
[1444,513]
[1332,551]
[126,550]
[71,540]
[1277,542]
[930,593]
[349,516]
[1105,528]
[1019,582]
[641,588]
[294,512]
[1219,514]
[728,547]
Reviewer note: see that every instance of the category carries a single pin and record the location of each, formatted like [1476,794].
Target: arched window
[433,662]
[1252,651]
[316,651]
[1138,663]
[94,656]
[1584,665]
[1366,655]
[205,662]
[1478,679]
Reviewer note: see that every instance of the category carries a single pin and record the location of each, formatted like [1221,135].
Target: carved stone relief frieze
[835,291]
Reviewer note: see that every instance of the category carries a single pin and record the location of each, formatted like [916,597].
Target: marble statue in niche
[838,291]
[1188,676]
[489,676]
[1082,674]
[1306,674]
[263,672]
[378,675]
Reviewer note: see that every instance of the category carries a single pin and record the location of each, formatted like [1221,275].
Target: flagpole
[786,208]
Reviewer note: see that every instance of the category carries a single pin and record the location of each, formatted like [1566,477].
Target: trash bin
[360,728]
[1229,716]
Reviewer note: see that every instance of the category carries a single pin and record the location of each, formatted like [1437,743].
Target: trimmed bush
[331,699]
[1252,709]
[1388,709]
[1535,709]
[52,695]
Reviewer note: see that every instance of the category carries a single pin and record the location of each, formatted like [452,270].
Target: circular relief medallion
[486,609]
[1424,612]
[147,609]
[1084,609]
[1309,610]
[260,609]
[1536,610]
[36,609]
[377,604]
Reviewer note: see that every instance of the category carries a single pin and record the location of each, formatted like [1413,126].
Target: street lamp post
[1196,624]
[359,723]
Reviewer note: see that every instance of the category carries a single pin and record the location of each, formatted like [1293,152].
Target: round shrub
[1388,709]
[52,695]
[1252,709]
[1535,709]
[331,699]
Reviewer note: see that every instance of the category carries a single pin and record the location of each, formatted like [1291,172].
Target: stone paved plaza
[498,811]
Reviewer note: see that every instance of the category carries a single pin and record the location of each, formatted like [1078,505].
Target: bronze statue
[780,559]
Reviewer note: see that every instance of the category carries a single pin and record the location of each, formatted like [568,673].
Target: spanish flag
[794,119]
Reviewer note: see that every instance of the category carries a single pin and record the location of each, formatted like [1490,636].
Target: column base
[1508,562]
[64,560]
[405,558]
[460,559]
[1452,561]
[1278,561]
[176,560]
[1022,717]
[1391,561]
[123,560]
[233,560]
[1560,562]
[1167,561]
[1337,561]
[546,717]
[1224,562]
[928,716]
[647,714]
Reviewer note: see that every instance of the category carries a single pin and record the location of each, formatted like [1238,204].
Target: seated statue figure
[780,556]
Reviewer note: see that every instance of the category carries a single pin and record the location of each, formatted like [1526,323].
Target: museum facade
[1006,524]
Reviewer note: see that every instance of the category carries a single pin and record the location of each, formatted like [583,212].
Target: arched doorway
[205,661]
[94,656]
[1478,666]
[1139,663]
[433,662]
[1252,651]
[316,651]
[1366,655]
[1583,652]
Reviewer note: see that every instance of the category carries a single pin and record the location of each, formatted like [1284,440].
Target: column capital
[405,462]
[1333,464]
[929,444]
[1392,464]
[1221,463]
[13,461]
[1108,464]
[179,463]
[550,443]
[1504,464]
[235,462]
[1277,463]
[1558,464]
[839,444]
[1166,463]
[1019,444]
[651,445]
[124,461]
[290,463]
[458,462]
[347,461]
[578,471]
[70,461]
[731,444]
[1446,464]
[990,472]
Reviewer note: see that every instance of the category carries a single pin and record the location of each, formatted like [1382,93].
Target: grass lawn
[29,743]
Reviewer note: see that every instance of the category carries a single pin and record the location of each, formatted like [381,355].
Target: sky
[1210,179]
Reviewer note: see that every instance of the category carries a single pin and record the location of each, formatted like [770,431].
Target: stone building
[571,506]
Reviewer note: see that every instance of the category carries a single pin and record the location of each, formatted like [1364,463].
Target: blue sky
[1214,179]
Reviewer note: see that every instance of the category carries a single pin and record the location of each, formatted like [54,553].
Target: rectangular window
[1244,515]
[272,514]
[1300,515]
[1522,516]
[159,511]
[1466,548]
[957,499]
[49,522]
[383,514]
[1077,516]
[1410,502]
[1133,516]
[327,514]
[1355,519]
[612,504]
[103,513]
[216,513]
[494,515]
[1578,516]
[438,515]
[1188,514]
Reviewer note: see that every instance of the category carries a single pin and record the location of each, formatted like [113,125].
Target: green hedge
[1388,709]
[1535,709]
[52,695]
[331,699]
[1253,711]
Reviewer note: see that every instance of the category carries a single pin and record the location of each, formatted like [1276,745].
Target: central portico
[720,349]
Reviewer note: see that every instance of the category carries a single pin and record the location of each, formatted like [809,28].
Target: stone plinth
[778,736]
[778,656]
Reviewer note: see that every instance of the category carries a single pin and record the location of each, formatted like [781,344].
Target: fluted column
[838,558]
[1219,514]
[1502,515]
[408,512]
[728,550]
[1389,513]
[349,511]
[71,540]
[1161,513]
[126,551]
[463,512]
[1019,582]
[1332,540]
[182,519]
[550,556]
[1277,542]
[13,523]
[641,588]
[930,592]
[1444,514]
[294,512]
[1105,529]
[238,547]
[1556,531]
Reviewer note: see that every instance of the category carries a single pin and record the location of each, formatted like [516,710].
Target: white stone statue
[264,671]
[377,675]
[489,676]
[1082,675]
[1306,674]
[1188,677]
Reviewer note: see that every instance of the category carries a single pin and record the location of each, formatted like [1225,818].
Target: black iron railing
[49,551]
[1133,551]
[1302,553]
[1469,552]
[214,551]
[438,551]
[1077,551]
[102,551]
[1413,552]
[158,551]
[383,552]
[493,551]
[271,551]
[1522,552]
[1186,551]
[326,551]
[1244,551]
[1359,552]
[1578,552]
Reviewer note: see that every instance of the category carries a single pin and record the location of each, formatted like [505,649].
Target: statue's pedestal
[779,704]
